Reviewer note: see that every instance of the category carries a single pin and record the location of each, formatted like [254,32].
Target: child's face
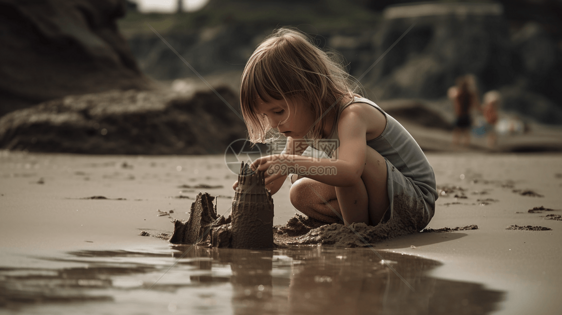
[295,125]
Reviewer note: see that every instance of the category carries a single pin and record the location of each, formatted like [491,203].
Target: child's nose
[273,122]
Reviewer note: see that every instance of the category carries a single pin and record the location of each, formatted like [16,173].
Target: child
[376,173]
[464,97]
[490,110]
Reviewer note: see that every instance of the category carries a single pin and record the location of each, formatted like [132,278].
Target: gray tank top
[397,146]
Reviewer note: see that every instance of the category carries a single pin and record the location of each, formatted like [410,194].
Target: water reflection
[189,279]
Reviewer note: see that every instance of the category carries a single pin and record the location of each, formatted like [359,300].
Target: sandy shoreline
[44,213]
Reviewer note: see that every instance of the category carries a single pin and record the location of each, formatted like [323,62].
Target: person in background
[490,107]
[464,97]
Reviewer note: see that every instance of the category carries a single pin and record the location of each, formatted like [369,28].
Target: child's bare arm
[345,170]
[292,148]
[274,182]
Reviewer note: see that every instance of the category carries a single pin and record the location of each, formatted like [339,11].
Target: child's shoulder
[362,107]
[361,111]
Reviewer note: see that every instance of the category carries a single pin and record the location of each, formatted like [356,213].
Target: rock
[211,50]
[55,48]
[536,58]
[127,122]
[519,99]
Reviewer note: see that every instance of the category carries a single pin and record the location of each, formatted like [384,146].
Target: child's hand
[278,167]
[272,165]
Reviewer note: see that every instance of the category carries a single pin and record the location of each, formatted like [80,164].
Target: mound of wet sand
[127,122]
[203,214]
[447,229]
[555,217]
[527,192]
[528,228]
[297,226]
[408,218]
[539,209]
[248,227]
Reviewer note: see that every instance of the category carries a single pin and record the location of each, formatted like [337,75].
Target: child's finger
[271,178]
[255,164]
[235,185]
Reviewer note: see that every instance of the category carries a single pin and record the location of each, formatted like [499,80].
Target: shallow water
[196,280]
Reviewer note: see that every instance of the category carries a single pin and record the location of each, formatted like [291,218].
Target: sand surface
[52,204]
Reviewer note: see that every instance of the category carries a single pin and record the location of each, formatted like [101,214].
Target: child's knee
[297,193]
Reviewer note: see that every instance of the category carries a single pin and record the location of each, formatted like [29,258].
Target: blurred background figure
[490,108]
[465,98]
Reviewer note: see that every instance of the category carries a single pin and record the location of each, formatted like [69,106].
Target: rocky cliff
[446,41]
[54,48]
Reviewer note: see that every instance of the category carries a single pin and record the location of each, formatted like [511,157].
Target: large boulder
[537,61]
[127,122]
[54,48]
[210,51]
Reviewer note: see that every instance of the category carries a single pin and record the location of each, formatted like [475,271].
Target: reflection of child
[464,97]
[294,87]
[490,110]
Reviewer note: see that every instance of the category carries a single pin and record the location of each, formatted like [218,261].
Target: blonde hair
[492,96]
[287,65]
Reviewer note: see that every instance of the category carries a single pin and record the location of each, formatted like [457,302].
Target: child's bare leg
[324,202]
[315,199]
[354,202]
[374,177]
[366,201]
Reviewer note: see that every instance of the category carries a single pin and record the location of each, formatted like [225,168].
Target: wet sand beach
[71,225]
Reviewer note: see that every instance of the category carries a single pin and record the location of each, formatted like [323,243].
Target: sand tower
[252,211]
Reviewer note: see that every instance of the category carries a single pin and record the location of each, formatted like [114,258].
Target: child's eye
[279,112]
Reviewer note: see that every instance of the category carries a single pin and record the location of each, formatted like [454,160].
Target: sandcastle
[250,225]
[252,211]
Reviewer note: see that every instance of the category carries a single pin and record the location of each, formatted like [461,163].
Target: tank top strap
[353,100]
[368,101]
